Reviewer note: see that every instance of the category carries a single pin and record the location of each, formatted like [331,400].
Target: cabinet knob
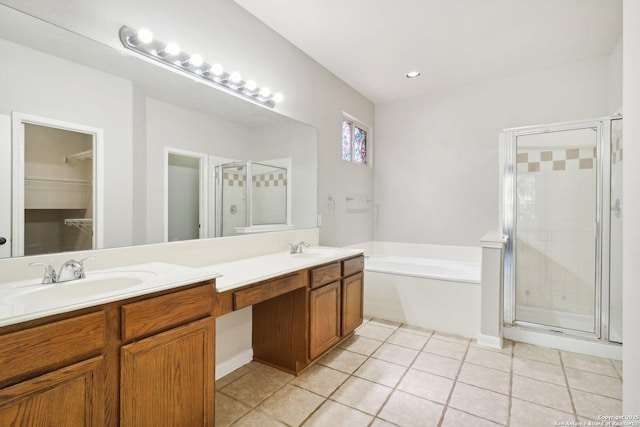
[2,241]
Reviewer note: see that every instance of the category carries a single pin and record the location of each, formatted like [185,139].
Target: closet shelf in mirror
[56,193]
[83,224]
[83,155]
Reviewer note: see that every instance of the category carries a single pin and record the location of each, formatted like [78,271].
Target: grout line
[453,386]
[510,388]
[566,379]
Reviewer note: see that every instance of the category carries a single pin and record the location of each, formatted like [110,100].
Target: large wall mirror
[101,149]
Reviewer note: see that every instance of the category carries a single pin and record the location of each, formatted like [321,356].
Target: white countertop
[28,300]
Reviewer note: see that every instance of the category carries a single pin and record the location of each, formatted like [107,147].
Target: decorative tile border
[270,180]
[616,151]
[559,160]
[234,179]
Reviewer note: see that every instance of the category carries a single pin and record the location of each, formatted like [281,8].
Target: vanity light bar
[142,42]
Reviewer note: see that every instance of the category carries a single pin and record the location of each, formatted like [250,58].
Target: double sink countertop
[30,299]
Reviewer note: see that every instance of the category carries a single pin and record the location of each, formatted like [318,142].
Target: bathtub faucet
[297,249]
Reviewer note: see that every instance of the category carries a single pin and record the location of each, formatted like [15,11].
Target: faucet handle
[49,272]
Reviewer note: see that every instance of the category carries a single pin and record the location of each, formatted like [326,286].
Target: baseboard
[234,363]
[490,341]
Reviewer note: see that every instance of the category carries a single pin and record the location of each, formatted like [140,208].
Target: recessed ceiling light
[413,74]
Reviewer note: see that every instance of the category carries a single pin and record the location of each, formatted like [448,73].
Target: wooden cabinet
[71,396]
[168,379]
[352,302]
[324,318]
[147,360]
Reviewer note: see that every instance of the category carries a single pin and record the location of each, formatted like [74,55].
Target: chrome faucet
[49,272]
[70,270]
[297,249]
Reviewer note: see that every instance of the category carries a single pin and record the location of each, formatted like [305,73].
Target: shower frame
[508,141]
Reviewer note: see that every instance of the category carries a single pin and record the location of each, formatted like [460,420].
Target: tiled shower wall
[556,206]
[270,198]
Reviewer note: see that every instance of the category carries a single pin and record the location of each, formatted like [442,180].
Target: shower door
[556,181]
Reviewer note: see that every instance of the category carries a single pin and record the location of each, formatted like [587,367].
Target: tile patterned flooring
[389,374]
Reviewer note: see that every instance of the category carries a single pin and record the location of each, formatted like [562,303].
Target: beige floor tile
[488,359]
[381,423]
[527,414]
[436,364]
[373,331]
[291,405]
[362,345]
[409,340]
[618,365]
[343,360]
[594,383]
[274,373]
[407,410]
[228,410]
[320,380]
[335,414]
[539,371]
[483,403]
[231,377]
[257,419]
[417,330]
[362,394]
[591,405]
[253,387]
[542,393]
[396,354]
[451,338]
[482,377]
[584,362]
[385,323]
[380,372]
[533,352]
[455,418]
[445,348]
[426,385]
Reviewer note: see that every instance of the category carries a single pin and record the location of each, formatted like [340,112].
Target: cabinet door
[70,396]
[168,379]
[324,318]
[352,303]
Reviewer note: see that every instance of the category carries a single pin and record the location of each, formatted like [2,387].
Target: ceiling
[372,44]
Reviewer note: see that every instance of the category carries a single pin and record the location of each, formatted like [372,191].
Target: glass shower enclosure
[561,209]
[251,197]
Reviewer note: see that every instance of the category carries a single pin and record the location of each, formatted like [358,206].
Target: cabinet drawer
[325,274]
[267,290]
[42,347]
[352,266]
[167,311]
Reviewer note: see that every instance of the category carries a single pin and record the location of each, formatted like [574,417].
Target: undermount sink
[318,252]
[95,285]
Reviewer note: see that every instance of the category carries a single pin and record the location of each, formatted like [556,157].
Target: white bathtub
[431,286]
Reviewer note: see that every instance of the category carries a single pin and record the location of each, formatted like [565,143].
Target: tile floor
[397,375]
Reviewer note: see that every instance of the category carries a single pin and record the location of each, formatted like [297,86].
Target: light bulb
[235,77]
[172,49]
[144,36]
[196,60]
[251,85]
[277,98]
[265,92]
[216,70]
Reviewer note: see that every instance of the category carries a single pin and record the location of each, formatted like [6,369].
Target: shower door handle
[617,208]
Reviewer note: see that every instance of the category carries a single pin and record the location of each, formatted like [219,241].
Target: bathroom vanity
[149,359]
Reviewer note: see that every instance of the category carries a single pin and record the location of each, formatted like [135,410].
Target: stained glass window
[354,142]
[346,140]
[359,145]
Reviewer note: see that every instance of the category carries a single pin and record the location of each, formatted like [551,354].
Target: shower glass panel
[268,194]
[233,198]
[555,229]
[615,248]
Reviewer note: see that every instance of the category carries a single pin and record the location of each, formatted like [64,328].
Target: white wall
[631,206]
[436,155]
[615,78]
[224,32]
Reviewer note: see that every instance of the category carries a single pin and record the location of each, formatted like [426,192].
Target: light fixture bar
[143,43]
